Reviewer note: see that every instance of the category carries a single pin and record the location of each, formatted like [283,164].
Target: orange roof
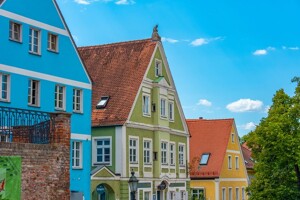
[208,136]
[247,156]
[117,71]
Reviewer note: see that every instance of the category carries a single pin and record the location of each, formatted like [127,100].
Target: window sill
[53,51]
[34,53]
[146,115]
[32,105]
[78,112]
[102,164]
[147,164]
[17,41]
[77,168]
[5,100]
[60,109]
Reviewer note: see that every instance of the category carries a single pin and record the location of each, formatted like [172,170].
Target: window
[33,92]
[147,152]
[77,100]
[237,162]
[60,97]
[163,107]
[77,154]
[204,158]
[229,162]
[223,194]
[133,149]
[181,155]
[172,154]
[243,193]
[146,105]
[34,41]
[103,102]
[146,195]
[4,137]
[237,193]
[5,87]
[158,70]
[198,194]
[182,194]
[232,137]
[229,193]
[103,151]
[15,31]
[171,111]
[172,195]
[164,153]
[52,42]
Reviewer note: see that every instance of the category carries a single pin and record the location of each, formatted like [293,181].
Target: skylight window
[103,102]
[204,158]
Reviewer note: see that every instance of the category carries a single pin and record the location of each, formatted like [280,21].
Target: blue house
[41,71]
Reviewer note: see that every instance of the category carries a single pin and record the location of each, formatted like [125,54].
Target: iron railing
[26,126]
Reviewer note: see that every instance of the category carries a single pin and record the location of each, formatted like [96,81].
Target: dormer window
[158,68]
[204,158]
[103,102]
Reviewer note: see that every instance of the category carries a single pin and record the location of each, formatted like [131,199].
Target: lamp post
[133,182]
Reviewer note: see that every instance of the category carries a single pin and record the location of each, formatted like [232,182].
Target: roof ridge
[191,120]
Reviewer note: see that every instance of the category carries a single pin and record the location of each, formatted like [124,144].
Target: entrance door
[102,196]
[158,195]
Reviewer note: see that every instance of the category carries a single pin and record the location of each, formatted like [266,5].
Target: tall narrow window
[33,92]
[232,137]
[229,162]
[77,100]
[34,41]
[181,155]
[164,153]
[133,149]
[237,162]
[146,105]
[52,42]
[223,194]
[147,152]
[237,193]
[172,154]
[229,193]
[171,111]
[5,87]
[15,31]
[60,97]
[163,107]
[77,154]
[243,193]
[158,70]
[103,149]
[146,195]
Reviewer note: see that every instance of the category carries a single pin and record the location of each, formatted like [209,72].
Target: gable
[103,172]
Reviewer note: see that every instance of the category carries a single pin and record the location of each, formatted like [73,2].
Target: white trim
[43,76]
[81,100]
[33,22]
[78,136]
[184,155]
[73,159]
[135,164]
[233,179]
[7,89]
[94,177]
[119,159]
[124,152]
[150,155]
[217,189]
[149,104]
[174,155]
[233,151]
[56,97]
[94,151]
[12,30]
[37,95]
[164,165]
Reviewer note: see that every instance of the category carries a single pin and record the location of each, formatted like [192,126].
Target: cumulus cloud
[265,51]
[124,2]
[170,40]
[204,102]
[203,41]
[249,126]
[245,105]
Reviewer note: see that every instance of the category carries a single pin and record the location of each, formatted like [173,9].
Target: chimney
[155,35]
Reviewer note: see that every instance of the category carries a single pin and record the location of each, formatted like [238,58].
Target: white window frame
[33,93]
[237,193]
[79,157]
[149,150]
[158,68]
[197,188]
[172,154]
[13,31]
[243,193]
[32,44]
[146,107]
[163,109]
[229,162]
[230,193]
[146,191]
[232,138]
[7,89]
[95,150]
[171,110]
[75,100]
[237,165]
[50,43]
[164,153]
[181,164]
[57,95]
[223,193]
[134,149]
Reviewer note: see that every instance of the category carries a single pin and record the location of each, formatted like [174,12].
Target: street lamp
[133,182]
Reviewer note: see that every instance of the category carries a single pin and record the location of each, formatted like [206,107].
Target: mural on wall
[10,178]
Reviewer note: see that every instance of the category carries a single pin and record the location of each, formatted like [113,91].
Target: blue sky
[227,58]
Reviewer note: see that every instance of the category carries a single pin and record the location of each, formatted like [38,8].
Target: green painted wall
[177,124]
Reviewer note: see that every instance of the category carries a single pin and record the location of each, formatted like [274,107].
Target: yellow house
[217,168]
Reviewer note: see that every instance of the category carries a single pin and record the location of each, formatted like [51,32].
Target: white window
[171,111]
[147,152]
[172,154]
[181,155]
[237,162]
[60,96]
[198,194]
[147,195]
[158,68]
[133,149]
[33,92]
[52,42]
[146,105]
[164,153]
[34,41]
[229,193]
[77,100]
[163,107]
[76,154]
[243,193]
[223,194]
[15,31]
[232,137]
[172,195]
[103,151]
[229,162]
[182,195]
[237,193]
[5,87]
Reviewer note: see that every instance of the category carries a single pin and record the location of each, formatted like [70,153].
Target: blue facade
[35,44]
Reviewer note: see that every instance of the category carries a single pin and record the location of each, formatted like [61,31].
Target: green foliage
[275,147]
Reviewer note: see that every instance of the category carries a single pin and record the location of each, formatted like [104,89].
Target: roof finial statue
[155,35]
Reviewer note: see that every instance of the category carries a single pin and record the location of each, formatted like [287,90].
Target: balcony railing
[26,126]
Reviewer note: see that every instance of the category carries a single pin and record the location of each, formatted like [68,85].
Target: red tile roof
[208,136]
[247,156]
[117,71]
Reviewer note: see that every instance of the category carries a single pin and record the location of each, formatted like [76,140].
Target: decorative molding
[78,136]
[233,151]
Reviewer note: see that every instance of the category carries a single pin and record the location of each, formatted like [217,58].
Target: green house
[137,122]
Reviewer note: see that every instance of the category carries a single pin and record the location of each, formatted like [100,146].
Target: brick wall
[45,167]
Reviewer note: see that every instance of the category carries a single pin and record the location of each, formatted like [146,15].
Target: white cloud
[124,2]
[84,2]
[245,105]
[249,126]
[204,102]
[203,41]
[260,52]
[267,108]
[170,40]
